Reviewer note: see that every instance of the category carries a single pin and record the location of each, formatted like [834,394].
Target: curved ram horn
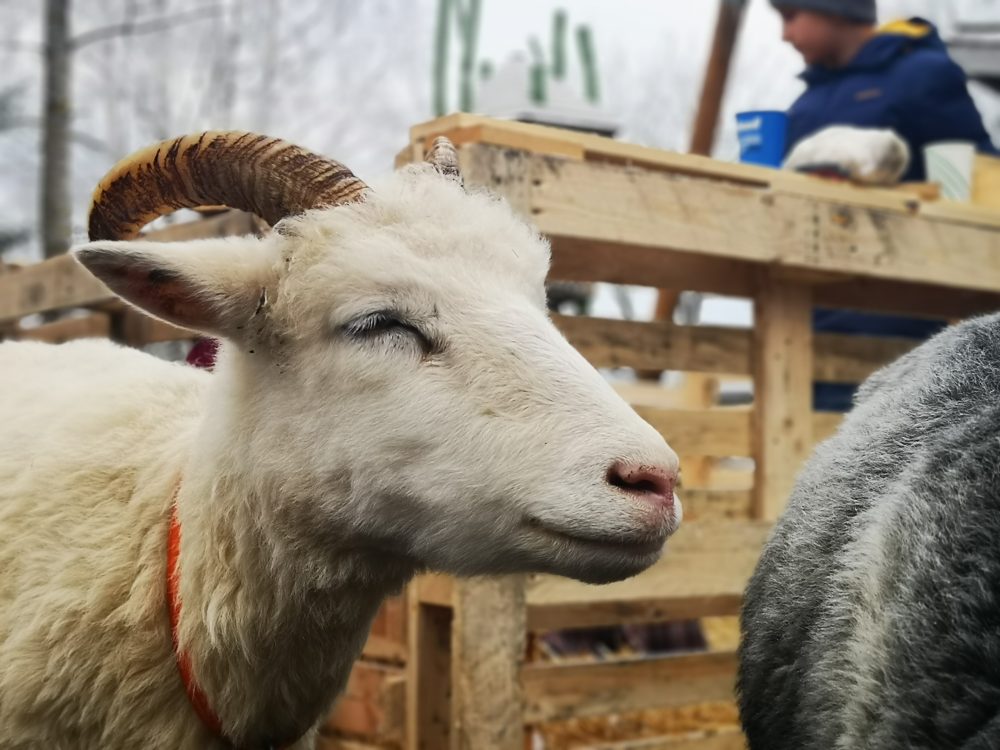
[444,157]
[265,176]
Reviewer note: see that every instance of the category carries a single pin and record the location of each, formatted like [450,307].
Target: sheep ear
[213,286]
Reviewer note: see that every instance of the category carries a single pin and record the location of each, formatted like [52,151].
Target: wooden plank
[582,259]
[646,393]
[638,207]
[410,154]
[662,244]
[729,431]
[54,284]
[381,648]
[602,203]
[726,476]
[390,620]
[783,367]
[395,615]
[327,742]
[551,141]
[962,213]
[663,345]
[723,739]
[925,191]
[433,588]
[371,705]
[538,143]
[657,345]
[428,676]
[928,248]
[595,148]
[463,128]
[841,358]
[543,618]
[684,164]
[703,571]
[488,648]
[548,141]
[432,128]
[61,282]
[845,193]
[986,182]
[700,391]
[224,223]
[918,300]
[94,325]
[553,144]
[704,432]
[557,692]
[578,259]
[702,504]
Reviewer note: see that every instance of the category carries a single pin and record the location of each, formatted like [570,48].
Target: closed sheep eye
[383,323]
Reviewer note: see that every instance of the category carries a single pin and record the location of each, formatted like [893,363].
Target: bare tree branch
[149,26]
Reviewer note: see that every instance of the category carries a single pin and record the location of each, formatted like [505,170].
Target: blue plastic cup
[762,135]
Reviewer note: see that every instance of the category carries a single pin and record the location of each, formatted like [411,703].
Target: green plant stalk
[468,23]
[440,69]
[559,45]
[538,82]
[585,46]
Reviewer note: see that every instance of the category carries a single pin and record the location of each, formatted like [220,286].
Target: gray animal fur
[873,618]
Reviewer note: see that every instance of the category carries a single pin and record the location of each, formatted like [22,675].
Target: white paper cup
[950,165]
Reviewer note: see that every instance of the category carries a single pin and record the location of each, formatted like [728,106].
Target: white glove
[867,155]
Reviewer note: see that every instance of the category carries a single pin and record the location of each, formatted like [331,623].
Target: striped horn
[444,157]
[265,176]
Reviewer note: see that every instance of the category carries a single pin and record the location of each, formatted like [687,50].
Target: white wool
[318,468]
[872,156]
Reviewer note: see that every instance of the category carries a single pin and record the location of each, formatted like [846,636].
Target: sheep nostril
[652,484]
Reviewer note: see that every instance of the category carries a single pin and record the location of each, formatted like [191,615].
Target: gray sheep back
[873,618]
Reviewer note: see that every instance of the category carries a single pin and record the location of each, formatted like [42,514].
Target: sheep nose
[651,484]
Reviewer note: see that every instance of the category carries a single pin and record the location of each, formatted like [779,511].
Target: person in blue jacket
[898,77]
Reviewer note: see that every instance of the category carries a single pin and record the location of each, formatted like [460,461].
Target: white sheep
[390,397]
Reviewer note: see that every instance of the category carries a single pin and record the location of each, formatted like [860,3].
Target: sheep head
[390,379]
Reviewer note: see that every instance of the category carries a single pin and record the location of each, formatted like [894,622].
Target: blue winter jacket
[901,79]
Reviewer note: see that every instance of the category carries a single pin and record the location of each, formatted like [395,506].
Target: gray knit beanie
[862,11]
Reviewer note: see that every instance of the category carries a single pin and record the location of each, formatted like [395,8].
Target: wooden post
[782,353]
[428,674]
[727,28]
[488,648]
[699,391]
[713,90]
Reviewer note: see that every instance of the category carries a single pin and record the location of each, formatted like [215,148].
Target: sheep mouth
[640,546]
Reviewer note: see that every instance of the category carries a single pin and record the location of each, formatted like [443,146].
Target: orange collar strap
[199,701]
[195,694]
